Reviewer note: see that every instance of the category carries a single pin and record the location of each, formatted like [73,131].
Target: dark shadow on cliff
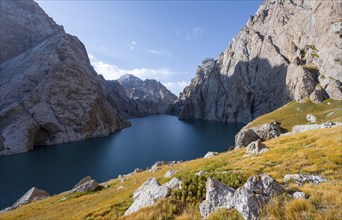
[252,89]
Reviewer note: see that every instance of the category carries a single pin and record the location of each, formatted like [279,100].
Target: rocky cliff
[151,96]
[49,92]
[288,50]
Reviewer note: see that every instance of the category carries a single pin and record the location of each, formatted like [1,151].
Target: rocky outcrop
[248,200]
[147,194]
[302,178]
[49,92]
[170,173]
[256,147]
[217,196]
[210,154]
[264,132]
[283,53]
[87,184]
[34,194]
[150,192]
[174,183]
[151,96]
[302,128]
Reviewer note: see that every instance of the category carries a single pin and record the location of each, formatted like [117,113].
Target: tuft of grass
[223,214]
[313,69]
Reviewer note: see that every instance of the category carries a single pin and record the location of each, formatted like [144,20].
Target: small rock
[328,124]
[210,154]
[299,195]
[311,118]
[124,180]
[302,178]
[317,96]
[170,173]
[201,173]
[256,147]
[157,165]
[82,181]
[120,187]
[174,183]
[137,170]
[85,187]
[119,176]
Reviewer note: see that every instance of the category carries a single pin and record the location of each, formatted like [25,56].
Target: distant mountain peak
[152,95]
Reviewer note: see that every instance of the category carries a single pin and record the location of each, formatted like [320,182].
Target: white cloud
[164,75]
[176,87]
[161,52]
[132,45]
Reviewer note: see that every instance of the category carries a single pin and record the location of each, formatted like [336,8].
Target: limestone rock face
[49,92]
[28,16]
[151,96]
[281,54]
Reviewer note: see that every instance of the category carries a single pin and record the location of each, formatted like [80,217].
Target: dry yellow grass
[313,152]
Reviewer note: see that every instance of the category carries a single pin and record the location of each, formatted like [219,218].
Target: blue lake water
[163,137]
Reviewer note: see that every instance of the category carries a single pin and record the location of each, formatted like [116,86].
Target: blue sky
[162,40]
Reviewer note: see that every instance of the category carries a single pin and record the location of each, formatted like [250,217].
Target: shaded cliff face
[49,92]
[151,96]
[287,51]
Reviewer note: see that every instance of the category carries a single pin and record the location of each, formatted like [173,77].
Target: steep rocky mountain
[49,92]
[288,50]
[151,96]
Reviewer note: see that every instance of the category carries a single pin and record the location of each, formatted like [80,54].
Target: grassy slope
[294,113]
[317,152]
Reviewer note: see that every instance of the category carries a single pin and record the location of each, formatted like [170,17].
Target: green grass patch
[294,113]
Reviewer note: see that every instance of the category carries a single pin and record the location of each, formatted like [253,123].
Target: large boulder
[249,199]
[147,194]
[85,185]
[34,194]
[218,195]
[264,132]
[256,147]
